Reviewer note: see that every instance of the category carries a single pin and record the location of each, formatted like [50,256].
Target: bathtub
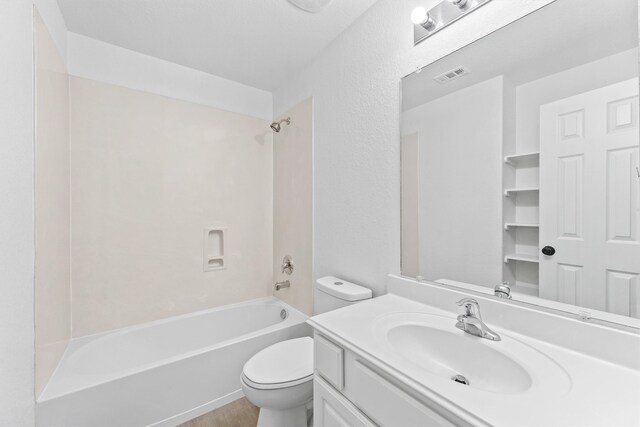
[165,372]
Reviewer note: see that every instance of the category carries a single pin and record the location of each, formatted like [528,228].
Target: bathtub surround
[52,199]
[293,205]
[148,175]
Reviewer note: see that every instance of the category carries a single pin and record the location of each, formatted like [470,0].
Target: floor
[239,413]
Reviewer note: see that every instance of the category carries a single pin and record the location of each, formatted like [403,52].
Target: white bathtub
[165,372]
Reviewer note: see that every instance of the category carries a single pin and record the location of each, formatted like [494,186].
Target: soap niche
[214,240]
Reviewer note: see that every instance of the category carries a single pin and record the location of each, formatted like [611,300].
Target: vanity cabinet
[349,391]
[331,409]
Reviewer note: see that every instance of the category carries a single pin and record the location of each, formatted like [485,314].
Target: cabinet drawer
[328,359]
[385,403]
[331,409]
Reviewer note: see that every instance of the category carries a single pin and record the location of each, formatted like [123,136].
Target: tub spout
[280,285]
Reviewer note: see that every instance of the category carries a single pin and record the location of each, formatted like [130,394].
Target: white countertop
[599,393]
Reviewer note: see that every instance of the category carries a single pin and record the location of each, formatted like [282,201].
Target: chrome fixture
[287,265]
[503,290]
[276,126]
[426,23]
[460,3]
[471,321]
[281,285]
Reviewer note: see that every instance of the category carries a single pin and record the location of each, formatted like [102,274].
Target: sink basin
[432,344]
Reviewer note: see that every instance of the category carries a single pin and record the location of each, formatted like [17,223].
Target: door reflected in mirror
[520,159]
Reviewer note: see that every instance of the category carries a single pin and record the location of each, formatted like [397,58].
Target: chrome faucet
[472,323]
[281,285]
[503,290]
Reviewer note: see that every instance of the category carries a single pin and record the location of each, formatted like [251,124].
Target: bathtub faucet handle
[280,285]
[287,265]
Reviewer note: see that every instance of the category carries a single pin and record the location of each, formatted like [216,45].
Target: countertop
[598,393]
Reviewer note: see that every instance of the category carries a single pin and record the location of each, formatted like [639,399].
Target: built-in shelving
[523,159]
[514,191]
[521,257]
[509,225]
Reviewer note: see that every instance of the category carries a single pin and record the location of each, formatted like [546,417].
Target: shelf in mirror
[515,191]
[521,257]
[523,159]
[509,225]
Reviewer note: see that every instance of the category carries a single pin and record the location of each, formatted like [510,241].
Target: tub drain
[460,379]
[283,314]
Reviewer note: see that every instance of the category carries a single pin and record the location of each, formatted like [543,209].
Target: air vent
[451,75]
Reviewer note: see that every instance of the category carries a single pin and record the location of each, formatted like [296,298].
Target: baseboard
[200,410]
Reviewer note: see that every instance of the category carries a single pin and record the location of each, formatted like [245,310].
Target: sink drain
[460,379]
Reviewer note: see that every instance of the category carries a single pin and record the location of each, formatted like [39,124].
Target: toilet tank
[331,293]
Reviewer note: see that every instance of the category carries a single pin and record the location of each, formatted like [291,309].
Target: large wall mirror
[520,160]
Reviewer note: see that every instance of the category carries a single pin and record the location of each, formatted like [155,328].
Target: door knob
[548,250]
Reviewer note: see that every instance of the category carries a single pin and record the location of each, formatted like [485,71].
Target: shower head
[276,125]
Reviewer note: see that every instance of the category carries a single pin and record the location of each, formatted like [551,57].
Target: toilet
[279,378]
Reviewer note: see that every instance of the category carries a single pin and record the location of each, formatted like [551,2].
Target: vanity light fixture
[427,23]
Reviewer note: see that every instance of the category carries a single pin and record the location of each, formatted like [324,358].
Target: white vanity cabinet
[349,391]
[331,409]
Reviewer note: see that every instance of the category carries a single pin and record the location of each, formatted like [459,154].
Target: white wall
[16,214]
[355,85]
[460,190]
[97,60]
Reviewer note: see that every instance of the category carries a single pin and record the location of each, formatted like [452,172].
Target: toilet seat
[284,364]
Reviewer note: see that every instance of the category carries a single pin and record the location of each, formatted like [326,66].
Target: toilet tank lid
[342,289]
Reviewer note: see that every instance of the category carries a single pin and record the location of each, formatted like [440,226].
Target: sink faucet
[472,323]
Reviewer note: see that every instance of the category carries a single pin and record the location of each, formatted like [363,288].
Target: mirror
[520,160]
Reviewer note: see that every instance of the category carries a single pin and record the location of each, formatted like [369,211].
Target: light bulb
[420,16]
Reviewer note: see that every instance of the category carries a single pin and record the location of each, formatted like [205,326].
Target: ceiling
[255,42]
[557,37]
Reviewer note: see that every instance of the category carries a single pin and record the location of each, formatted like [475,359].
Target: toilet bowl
[279,380]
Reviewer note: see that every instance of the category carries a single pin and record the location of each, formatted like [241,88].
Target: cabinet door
[330,409]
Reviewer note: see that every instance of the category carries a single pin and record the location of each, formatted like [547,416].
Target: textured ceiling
[255,42]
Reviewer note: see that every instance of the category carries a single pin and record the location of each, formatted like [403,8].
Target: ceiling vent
[451,75]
